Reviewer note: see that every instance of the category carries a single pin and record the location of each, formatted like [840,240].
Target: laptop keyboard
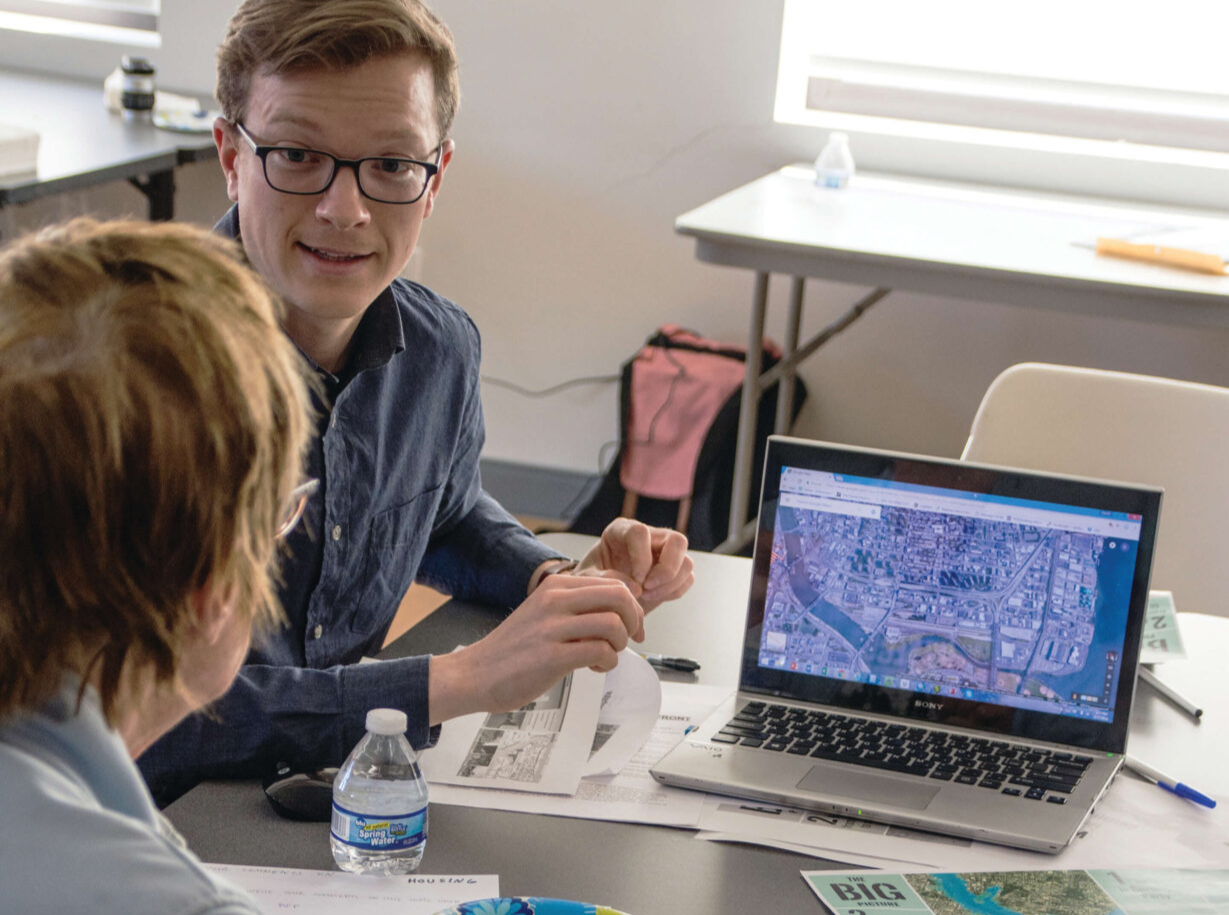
[996,765]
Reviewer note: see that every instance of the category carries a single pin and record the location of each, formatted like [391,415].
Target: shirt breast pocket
[395,545]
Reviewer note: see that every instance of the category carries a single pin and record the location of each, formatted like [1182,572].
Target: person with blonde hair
[153,420]
[335,141]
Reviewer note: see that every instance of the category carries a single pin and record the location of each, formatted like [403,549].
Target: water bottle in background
[834,166]
[379,821]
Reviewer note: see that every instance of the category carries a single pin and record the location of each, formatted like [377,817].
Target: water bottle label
[377,833]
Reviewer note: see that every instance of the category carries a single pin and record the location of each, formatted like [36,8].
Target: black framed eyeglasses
[296,506]
[384,179]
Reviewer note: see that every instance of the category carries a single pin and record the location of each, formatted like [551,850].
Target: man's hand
[652,559]
[569,622]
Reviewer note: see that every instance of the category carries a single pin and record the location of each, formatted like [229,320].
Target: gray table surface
[642,870]
[81,143]
[646,870]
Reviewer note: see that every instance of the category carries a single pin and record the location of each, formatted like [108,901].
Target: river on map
[956,890]
[1115,574]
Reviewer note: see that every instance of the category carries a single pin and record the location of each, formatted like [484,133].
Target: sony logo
[922,703]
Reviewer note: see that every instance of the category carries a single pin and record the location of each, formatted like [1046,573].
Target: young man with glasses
[334,143]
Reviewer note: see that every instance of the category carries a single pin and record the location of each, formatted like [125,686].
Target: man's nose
[343,204]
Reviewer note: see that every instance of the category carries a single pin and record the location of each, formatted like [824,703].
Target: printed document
[632,795]
[542,746]
[310,892]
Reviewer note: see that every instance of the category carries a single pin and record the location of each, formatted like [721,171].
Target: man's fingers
[670,550]
[675,590]
[669,584]
[580,595]
[605,627]
[632,540]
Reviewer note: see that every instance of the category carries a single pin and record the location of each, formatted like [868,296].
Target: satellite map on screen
[951,593]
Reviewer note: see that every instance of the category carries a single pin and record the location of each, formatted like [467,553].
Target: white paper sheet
[630,796]
[541,747]
[844,858]
[631,702]
[309,892]
[1178,834]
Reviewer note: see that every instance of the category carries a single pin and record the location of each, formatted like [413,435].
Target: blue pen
[1164,781]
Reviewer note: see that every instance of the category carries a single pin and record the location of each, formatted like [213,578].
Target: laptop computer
[933,643]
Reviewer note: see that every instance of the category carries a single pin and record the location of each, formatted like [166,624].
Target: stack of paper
[18,149]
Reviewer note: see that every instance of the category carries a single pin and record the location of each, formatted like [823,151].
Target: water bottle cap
[386,721]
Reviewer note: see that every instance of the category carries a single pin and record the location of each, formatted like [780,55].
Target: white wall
[585,129]
[190,31]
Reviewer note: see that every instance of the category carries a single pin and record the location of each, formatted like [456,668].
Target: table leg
[159,191]
[748,413]
[785,393]
[741,532]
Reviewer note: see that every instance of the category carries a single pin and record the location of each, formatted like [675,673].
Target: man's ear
[449,147]
[224,139]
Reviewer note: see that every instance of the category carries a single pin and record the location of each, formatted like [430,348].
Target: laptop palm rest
[867,787]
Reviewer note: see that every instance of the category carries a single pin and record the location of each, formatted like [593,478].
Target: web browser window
[990,598]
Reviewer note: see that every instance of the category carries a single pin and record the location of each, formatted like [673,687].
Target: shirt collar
[80,738]
[380,334]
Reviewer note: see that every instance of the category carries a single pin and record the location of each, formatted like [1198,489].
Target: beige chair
[1132,428]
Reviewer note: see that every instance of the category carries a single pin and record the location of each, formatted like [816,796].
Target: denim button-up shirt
[398,439]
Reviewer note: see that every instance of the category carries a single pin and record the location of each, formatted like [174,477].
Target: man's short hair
[275,37]
[153,420]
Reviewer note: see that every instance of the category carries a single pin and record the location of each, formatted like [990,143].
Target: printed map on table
[1069,892]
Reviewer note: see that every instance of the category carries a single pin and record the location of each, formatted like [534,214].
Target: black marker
[665,663]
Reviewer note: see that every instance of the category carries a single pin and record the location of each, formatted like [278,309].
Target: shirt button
[333,421]
[318,631]
[336,531]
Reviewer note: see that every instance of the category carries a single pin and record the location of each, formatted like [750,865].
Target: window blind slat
[139,14]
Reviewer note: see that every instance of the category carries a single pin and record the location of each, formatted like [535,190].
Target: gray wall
[585,129]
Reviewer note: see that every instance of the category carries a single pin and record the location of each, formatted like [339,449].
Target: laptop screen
[950,592]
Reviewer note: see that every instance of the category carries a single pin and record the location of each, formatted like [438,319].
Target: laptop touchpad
[867,787]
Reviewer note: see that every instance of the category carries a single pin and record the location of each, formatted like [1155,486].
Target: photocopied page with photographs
[543,746]
[632,795]
[631,702]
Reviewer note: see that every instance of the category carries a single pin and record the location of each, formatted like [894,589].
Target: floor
[420,601]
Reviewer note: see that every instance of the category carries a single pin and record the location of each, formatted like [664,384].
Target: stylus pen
[1170,693]
[672,663]
[1164,781]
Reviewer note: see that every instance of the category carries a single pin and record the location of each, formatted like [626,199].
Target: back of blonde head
[152,423]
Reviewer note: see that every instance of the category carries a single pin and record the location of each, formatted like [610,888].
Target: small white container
[834,165]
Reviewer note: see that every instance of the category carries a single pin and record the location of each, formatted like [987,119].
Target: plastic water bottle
[834,166]
[379,821]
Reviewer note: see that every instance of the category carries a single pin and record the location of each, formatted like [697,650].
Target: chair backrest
[1131,428]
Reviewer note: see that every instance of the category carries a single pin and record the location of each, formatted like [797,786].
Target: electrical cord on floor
[589,487]
[553,389]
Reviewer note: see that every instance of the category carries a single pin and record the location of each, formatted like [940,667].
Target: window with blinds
[1089,71]
[121,20]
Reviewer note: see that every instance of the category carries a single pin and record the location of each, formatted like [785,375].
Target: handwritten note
[309,892]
